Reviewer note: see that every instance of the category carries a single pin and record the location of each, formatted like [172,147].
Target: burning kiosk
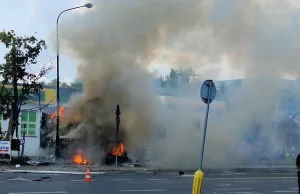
[81,150]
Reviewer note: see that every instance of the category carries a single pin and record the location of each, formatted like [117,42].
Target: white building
[29,120]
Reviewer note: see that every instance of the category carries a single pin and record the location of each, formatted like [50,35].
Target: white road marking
[169,173]
[249,178]
[241,178]
[157,179]
[45,192]
[118,174]
[240,192]
[18,179]
[160,182]
[232,189]
[187,175]
[147,190]
[228,174]
[51,172]
[122,179]
[260,181]
[54,174]
[223,185]
[45,174]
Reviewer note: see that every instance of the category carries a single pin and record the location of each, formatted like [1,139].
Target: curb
[51,172]
[151,170]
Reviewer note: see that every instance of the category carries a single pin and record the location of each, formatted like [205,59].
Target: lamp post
[57,152]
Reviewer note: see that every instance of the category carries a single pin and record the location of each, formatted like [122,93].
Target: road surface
[242,182]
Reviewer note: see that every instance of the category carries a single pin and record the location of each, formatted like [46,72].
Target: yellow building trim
[50,95]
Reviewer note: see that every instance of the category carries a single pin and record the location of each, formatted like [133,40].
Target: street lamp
[57,153]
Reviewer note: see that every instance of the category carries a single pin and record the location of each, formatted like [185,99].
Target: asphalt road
[242,182]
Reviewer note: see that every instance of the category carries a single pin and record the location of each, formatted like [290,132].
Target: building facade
[30,118]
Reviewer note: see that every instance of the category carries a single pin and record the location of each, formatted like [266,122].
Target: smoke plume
[115,42]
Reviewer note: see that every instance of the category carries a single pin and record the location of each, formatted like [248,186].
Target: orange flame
[60,113]
[79,159]
[119,151]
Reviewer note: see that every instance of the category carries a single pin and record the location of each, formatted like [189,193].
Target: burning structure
[74,149]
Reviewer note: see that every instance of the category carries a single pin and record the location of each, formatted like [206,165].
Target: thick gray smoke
[116,41]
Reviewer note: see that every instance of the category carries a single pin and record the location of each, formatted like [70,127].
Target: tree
[75,84]
[64,84]
[182,78]
[51,83]
[23,52]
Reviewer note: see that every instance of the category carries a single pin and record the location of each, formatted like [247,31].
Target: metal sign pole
[117,148]
[118,121]
[205,123]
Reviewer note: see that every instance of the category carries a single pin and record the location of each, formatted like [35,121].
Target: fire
[119,151]
[60,113]
[79,160]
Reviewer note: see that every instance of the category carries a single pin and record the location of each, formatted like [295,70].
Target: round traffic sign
[208,91]
[22,141]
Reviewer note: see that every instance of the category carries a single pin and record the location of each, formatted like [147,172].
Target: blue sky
[38,17]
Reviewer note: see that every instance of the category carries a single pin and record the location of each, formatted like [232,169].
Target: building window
[28,123]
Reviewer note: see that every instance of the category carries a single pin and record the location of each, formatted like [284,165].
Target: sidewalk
[276,166]
[70,169]
[102,170]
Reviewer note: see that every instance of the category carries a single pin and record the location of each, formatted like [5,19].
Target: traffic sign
[208,91]
[22,141]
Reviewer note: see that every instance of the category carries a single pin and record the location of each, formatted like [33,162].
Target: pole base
[198,182]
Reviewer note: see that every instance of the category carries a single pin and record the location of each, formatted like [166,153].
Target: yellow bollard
[198,180]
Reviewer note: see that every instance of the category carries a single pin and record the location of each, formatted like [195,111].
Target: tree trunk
[14,115]
[13,123]
[10,128]
[15,112]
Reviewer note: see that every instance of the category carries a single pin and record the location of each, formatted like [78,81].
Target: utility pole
[57,141]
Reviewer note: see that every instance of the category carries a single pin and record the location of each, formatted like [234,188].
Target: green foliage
[6,97]
[75,84]
[22,52]
[180,82]
[178,78]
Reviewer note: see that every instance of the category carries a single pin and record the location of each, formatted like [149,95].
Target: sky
[38,18]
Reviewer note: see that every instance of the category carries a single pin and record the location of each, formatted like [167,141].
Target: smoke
[116,41]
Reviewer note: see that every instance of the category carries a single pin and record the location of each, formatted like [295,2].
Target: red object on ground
[88,176]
